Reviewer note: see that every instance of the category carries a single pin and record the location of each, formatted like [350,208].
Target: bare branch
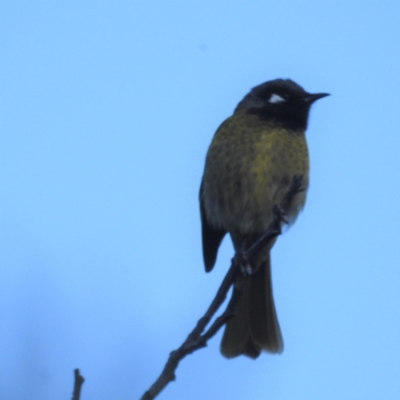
[78,382]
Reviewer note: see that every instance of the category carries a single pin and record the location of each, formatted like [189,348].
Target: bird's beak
[310,98]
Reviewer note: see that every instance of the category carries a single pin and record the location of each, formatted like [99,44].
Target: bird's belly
[248,181]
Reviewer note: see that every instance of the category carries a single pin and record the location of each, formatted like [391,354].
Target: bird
[250,164]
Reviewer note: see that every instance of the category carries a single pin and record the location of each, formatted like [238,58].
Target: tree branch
[78,382]
[196,339]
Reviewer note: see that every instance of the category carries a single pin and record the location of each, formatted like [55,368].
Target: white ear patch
[275,98]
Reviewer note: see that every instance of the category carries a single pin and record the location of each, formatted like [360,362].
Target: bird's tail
[255,326]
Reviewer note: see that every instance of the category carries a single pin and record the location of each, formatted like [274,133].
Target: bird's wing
[211,237]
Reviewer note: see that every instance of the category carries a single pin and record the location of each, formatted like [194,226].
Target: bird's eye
[275,98]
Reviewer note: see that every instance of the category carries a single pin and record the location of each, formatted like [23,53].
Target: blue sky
[106,112]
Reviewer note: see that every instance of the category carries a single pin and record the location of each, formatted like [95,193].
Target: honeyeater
[250,164]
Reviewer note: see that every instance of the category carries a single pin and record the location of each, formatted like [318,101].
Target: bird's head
[280,101]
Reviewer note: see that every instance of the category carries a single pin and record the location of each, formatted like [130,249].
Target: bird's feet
[242,262]
[281,214]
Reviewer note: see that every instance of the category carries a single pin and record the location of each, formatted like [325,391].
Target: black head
[280,101]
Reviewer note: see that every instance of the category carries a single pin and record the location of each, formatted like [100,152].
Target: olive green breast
[249,168]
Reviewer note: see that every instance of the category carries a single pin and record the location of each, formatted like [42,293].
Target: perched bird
[249,167]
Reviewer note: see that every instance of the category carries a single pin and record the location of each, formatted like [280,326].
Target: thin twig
[196,339]
[78,382]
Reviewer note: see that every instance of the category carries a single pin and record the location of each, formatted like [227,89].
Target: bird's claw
[297,183]
[243,263]
[280,212]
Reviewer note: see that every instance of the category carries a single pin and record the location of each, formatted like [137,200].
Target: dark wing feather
[212,237]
